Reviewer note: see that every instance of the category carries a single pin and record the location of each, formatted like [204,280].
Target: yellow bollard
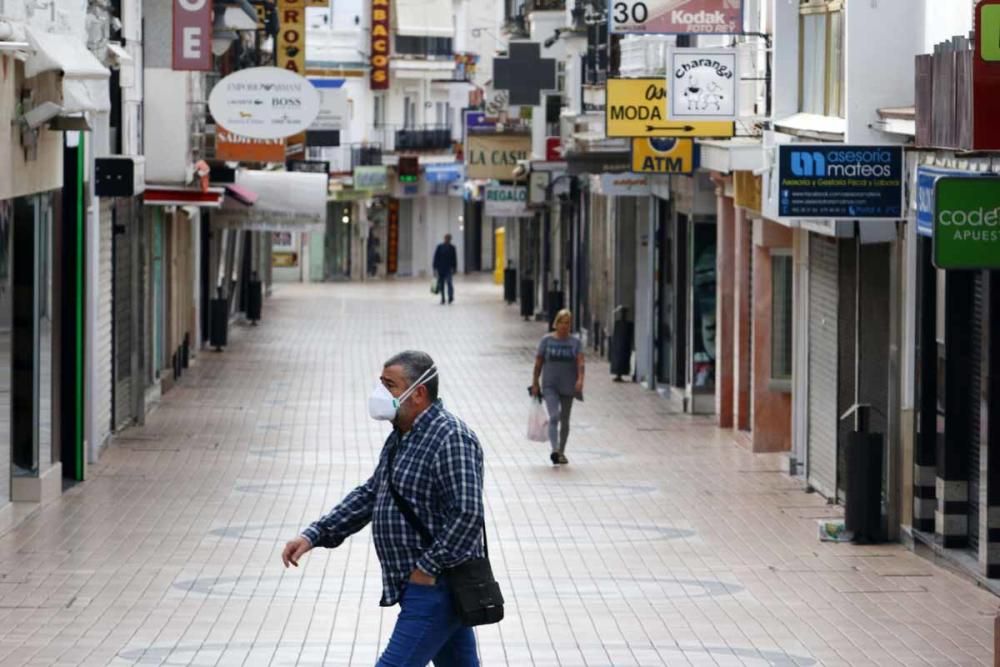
[498,244]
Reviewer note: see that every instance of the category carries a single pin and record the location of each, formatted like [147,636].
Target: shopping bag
[434,287]
[538,422]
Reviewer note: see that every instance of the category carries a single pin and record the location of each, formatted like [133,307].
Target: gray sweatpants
[559,408]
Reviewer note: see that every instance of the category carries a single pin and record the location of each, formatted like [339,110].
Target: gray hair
[414,365]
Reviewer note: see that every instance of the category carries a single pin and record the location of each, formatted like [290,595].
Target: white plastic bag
[538,422]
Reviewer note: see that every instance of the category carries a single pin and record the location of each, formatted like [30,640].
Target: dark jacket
[445,259]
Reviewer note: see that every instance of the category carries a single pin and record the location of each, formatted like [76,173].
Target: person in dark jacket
[445,266]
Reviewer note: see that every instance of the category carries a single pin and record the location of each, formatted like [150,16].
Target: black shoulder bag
[475,594]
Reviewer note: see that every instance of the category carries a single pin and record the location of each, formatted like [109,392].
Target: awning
[245,196]
[165,195]
[285,199]
[444,173]
[84,78]
[423,18]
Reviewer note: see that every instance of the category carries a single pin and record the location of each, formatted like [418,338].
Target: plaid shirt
[439,470]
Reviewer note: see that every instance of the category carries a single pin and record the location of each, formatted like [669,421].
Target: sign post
[834,181]
[638,108]
[967,224]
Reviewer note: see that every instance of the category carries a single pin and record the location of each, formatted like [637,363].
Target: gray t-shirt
[559,370]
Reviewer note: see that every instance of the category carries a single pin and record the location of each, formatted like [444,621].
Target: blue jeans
[427,629]
[445,279]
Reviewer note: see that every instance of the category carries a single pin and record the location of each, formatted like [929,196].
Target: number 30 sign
[719,17]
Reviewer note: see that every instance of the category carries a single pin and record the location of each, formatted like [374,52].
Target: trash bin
[863,486]
[621,345]
[510,283]
[527,298]
[218,323]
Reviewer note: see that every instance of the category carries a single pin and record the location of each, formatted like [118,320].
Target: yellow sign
[292,35]
[495,155]
[324,4]
[662,156]
[638,108]
[747,190]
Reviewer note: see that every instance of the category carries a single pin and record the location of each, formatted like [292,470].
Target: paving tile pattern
[662,543]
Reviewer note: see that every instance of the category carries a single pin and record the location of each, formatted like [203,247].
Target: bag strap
[406,508]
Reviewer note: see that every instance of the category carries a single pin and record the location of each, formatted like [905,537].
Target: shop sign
[379,60]
[718,17]
[332,104]
[927,178]
[392,242]
[967,223]
[704,84]
[237,148]
[308,166]
[292,35]
[986,77]
[264,103]
[284,259]
[444,173]
[372,179]
[192,41]
[663,156]
[748,190]
[506,201]
[827,181]
[638,108]
[620,185]
[495,155]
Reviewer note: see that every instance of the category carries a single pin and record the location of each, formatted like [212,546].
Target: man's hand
[579,386]
[294,550]
[419,578]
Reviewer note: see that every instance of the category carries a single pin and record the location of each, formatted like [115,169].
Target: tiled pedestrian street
[664,542]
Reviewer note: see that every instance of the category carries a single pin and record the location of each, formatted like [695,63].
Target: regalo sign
[379,78]
[719,17]
[192,35]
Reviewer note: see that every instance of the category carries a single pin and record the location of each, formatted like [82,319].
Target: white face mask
[383,406]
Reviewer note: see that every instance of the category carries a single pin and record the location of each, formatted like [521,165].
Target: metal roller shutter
[973,399]
[823,297]
[102,332]
[122,332]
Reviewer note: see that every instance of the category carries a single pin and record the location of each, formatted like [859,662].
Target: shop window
[781,320]
[821,57]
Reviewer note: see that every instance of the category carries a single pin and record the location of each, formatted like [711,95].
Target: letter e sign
[192,35]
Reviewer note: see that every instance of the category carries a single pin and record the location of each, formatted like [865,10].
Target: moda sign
[638,108]
[720,17]
[264,103]
[824,181]
[967,223]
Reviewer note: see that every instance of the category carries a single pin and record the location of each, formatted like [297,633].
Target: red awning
[158,195]
[242,194]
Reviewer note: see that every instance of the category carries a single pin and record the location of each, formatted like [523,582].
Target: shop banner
[292,35]
[192,41]
[663,156]
[967,224]
[638,108]
[495,155]
[718,17]
[372,179]
[834,181]
[620,185]
[332,104]
[703,84]
[380,50]
[506,201]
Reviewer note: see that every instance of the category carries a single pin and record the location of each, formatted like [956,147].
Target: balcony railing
[408,46]
[426,138]
[366,155]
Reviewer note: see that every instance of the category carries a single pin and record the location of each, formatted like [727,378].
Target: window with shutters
[821,57]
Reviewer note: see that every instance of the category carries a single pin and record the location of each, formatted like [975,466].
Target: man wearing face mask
[436,464]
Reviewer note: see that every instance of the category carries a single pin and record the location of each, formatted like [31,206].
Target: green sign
[967,223]
[989,28]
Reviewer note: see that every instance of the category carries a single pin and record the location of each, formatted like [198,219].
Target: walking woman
[559,365]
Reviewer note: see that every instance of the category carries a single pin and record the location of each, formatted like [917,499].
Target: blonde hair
[564,314]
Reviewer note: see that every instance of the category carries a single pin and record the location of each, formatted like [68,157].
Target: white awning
[285,199]
[85,79]
[424,18]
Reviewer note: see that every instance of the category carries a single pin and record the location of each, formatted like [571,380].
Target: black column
[991,414]
[71,286]
[925,450]
[24,338]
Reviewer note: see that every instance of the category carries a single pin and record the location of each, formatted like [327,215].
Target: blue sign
[834,181]
[926,178]
[444,173]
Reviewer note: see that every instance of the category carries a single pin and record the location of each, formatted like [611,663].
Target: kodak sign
[380,45]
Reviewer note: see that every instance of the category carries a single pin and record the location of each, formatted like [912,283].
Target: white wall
[785,67]
[882,40]
[944,19]
[167,139]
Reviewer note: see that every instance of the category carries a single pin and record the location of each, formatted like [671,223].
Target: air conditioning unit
[120,176]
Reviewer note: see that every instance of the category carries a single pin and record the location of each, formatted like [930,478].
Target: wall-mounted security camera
[41,114]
